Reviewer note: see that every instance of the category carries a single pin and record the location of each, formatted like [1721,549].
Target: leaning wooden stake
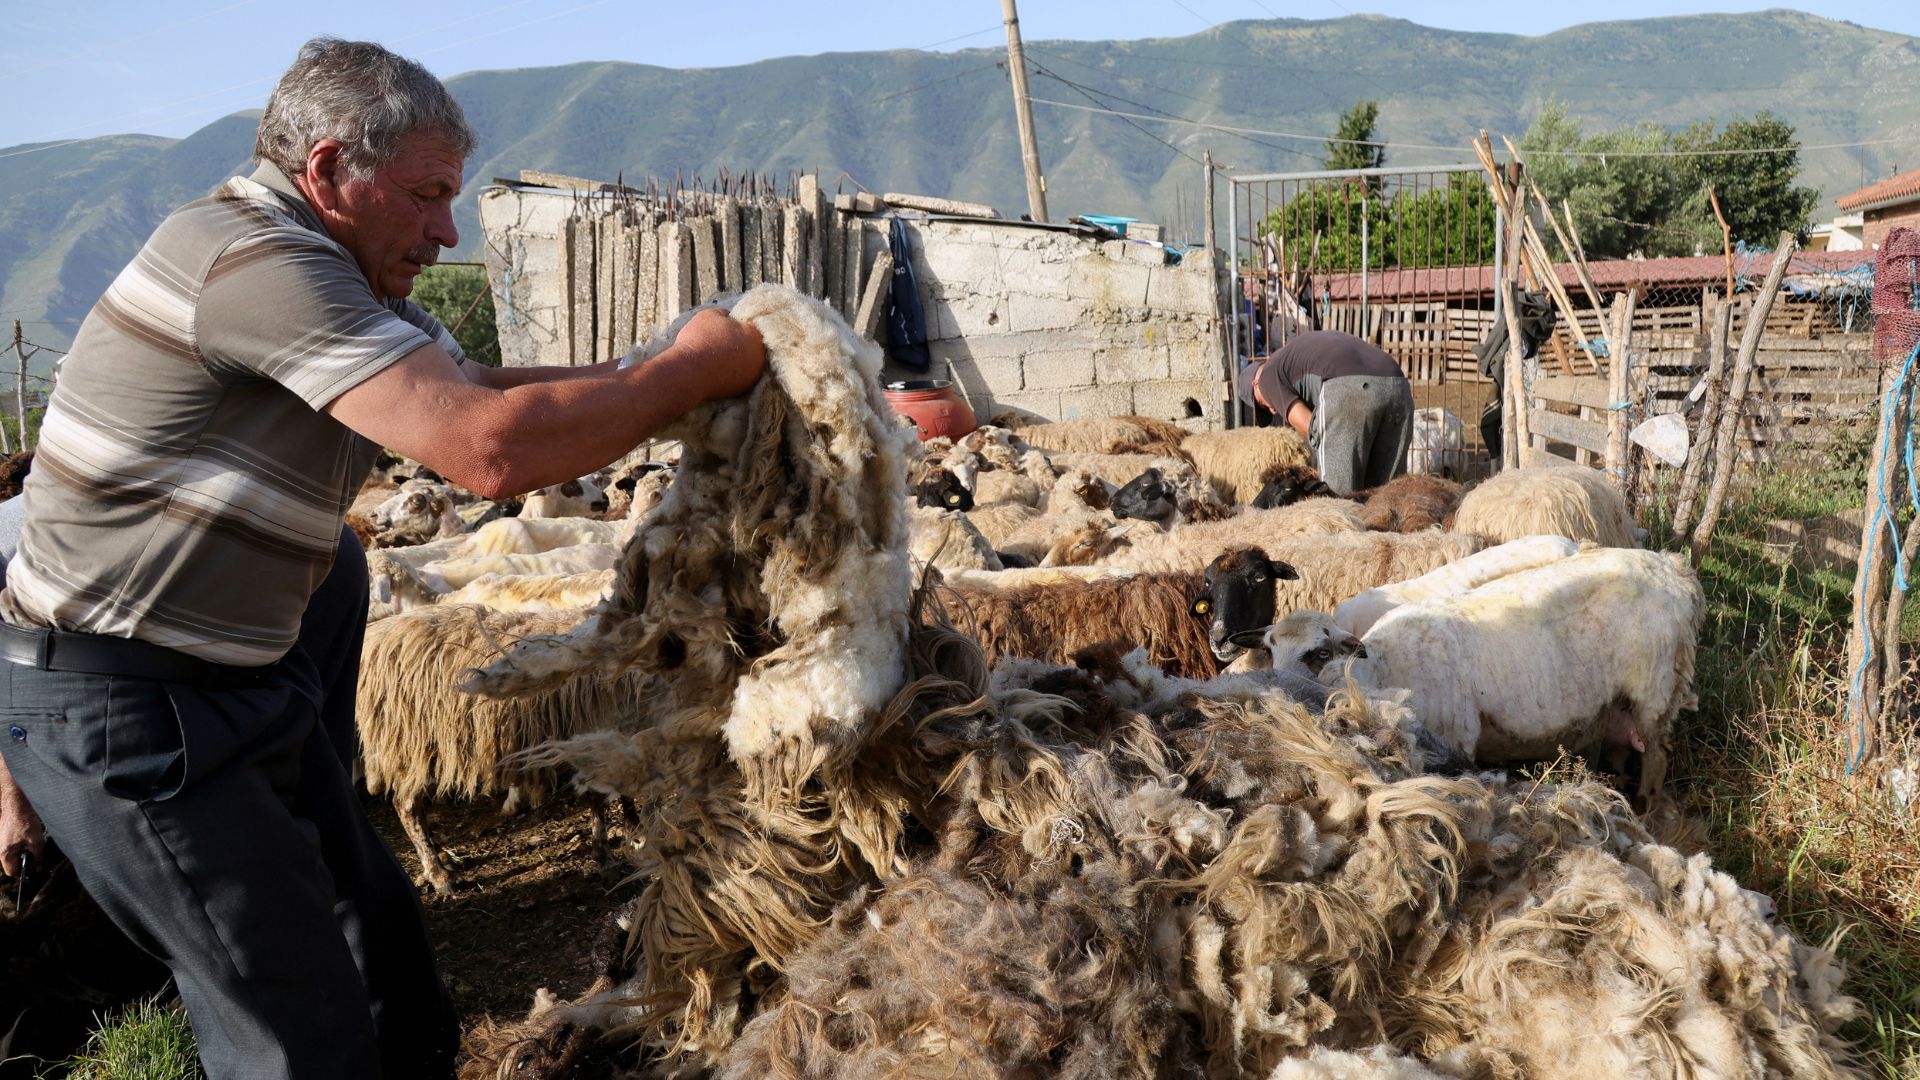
[1517,431]
[1719,321]
[1723,447]
[1619,386]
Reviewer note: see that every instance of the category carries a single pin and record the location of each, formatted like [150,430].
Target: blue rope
[1883,513]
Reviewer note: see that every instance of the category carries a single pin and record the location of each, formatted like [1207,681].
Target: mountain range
[943,123]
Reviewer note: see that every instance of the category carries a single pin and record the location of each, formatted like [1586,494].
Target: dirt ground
[529,899]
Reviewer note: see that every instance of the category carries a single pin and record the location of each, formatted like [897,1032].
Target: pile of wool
[904,864]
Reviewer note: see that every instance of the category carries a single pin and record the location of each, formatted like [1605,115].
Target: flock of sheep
[1082,749]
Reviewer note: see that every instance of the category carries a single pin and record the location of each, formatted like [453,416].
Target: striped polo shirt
[187,490]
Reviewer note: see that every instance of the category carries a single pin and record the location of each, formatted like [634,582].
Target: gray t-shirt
[187,490]
[1309,359]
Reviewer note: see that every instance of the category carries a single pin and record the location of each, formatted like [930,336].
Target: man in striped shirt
[171,658]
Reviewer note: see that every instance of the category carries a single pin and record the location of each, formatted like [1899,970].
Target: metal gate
[1403,258]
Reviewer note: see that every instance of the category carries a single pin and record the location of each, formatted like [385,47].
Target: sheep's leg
[416,829]
[598,808]
[630,818]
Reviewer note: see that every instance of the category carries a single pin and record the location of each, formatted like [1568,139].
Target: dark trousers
[219,829]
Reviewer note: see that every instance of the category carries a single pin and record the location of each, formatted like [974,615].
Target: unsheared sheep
[532,592]
[421,738]
[1409,503]
[1236,461]
[1053,621]
[1190,547]
[947,540]
[1071,871]
[1571,501]
[1358,614]
[1103,435]
[569,498]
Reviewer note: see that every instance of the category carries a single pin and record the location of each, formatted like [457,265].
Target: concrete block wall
[1065,327]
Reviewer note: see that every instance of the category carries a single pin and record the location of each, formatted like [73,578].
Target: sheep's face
[417,509]
[1305,642]
[1295,483]
[942,490]
[1236,599]
[1147,497]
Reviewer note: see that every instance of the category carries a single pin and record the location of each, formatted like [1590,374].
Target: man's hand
[727,355]
[20,828]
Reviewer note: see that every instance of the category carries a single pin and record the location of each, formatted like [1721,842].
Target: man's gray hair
[364,96]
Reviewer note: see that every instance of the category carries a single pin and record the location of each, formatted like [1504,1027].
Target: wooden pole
[1726,237]
[1619,386]
[1723,448]
[20,397]
[1516,432]
[1720,317]
[1023,113]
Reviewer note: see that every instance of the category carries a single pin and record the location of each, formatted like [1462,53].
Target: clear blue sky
[76,68]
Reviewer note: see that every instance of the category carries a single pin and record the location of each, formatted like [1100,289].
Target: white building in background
[1844,233]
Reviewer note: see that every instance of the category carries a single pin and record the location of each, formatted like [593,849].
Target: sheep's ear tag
[953,500]
[1202,606]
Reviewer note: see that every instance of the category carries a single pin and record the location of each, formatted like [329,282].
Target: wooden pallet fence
[635,259]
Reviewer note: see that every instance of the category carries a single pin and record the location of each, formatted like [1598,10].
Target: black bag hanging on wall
[906,323]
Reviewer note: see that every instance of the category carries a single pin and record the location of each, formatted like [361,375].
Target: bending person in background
[1349,399]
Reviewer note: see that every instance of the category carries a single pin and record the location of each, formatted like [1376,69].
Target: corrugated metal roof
[1898,189]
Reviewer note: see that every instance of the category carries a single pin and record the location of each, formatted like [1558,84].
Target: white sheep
[1357,615]
[1592,650]
[947,540]
[418,511]
[571,498]
[1439,441]
[531,536]
[447,575]
[530,592]
[1551,500]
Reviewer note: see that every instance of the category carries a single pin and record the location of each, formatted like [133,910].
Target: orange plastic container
[933,406]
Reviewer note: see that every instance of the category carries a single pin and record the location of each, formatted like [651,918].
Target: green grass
[149,1040]
[1763,762]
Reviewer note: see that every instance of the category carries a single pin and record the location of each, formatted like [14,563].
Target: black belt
[95,654]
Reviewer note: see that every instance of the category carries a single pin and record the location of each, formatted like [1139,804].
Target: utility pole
[1023,110]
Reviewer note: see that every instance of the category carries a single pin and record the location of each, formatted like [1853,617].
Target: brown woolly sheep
[1406,503]
[1056,620]
[1235,461]
[419,737]
[1575,502]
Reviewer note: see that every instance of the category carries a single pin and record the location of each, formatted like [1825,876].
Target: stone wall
[1048,323]
[1039,321]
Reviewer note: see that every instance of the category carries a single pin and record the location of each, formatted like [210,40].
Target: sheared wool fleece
[773,578]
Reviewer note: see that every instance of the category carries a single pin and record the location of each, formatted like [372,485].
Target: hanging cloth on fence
[1535,315]
[906,323]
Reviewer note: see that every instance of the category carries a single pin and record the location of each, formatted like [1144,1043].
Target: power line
[1085,93]
[1743,152]
[961,37]
[1166,90]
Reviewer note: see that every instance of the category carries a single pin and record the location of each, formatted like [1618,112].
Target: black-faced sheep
[1235,462]
[942,490]
[1406,503]
[1571,501]
[1167,498]
[1236,595]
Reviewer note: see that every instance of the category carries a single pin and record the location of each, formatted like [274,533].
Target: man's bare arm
[1300,418]
[502,378]
[503,441]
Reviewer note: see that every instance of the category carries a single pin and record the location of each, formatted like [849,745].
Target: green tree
[1757,191]
[450,294]
[1348,150]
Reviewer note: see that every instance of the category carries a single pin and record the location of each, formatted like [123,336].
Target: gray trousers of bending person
[218,827]
[1361,431]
